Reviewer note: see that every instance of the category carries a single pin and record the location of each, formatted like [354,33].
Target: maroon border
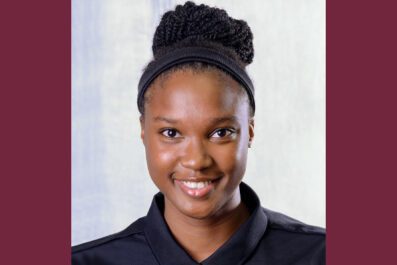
[361,132]
[36,131]
[36,139]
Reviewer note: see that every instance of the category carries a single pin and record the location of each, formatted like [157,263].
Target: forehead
[188,93]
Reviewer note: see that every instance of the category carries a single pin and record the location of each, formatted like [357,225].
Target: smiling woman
[203,137]
[196,131]
[197,122]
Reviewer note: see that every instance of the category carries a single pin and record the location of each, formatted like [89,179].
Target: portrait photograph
[198,132]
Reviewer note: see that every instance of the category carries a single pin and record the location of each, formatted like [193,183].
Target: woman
[197,107]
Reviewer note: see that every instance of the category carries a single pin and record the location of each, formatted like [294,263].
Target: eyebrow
[213,120]
[224,119]
[168,120]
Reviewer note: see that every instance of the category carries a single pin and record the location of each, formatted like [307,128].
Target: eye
[223,132]
[170,133]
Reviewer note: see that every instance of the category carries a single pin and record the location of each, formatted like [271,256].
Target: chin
[199,215]
[195,211]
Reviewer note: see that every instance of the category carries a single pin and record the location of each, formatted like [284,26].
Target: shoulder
[290,240]
[283,222]
[102,250]
[133,229]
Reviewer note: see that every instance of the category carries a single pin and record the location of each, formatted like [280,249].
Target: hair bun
[191,23]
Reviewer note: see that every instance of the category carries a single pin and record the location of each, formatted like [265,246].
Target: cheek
[160,159]
[232,160]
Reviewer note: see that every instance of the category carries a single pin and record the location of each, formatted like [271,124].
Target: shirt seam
[297,232]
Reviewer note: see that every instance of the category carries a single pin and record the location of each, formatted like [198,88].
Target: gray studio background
[111,43]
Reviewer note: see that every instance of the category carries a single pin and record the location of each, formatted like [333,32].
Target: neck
[201,237]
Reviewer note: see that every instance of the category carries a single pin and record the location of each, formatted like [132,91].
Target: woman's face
[196,132]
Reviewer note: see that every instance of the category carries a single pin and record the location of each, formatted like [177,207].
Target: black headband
[194,54]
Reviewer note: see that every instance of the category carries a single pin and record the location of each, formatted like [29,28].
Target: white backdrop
[111,43]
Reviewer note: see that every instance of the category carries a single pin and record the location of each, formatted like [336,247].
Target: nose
[196,156]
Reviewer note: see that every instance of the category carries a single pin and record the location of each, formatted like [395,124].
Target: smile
[196,189]
[196,185]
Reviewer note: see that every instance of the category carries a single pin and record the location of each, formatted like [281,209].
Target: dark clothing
[266,237]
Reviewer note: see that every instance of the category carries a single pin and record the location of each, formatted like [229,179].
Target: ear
[142,122]
[251,131]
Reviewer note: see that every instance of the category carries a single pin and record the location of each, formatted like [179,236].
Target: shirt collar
[235,251]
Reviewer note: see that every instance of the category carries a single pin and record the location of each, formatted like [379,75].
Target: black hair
[192,25]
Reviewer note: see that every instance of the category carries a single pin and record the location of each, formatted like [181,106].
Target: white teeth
[196,185]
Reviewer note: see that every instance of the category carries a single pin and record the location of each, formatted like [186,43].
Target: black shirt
[266,237]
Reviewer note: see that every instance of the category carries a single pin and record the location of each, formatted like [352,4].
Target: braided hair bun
[201,25]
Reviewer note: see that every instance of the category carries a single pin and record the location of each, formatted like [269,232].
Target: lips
[196,188]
